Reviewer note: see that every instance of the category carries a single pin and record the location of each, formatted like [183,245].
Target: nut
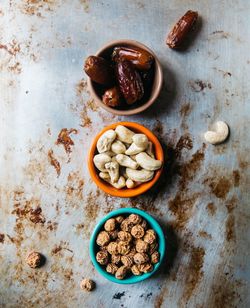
[102,257]
[135,270]
[119,219]
[123,248]
[102,238]
[111,268]
[137,231]
[104,142]
[134,149]
[113,170]
[134,219]
[140,140]
[140,258]
[112,97]
[99,70]
[130,183]
[147,162]
[110,224]
[124,134]
[124,236]
[127,261]
[121,272]
[118,147]
[35,259]
[146,267]
[141,246]
[87,285]
[126,225]
[100,160]
[150,236]
[155,257]
[139,175]
[181,29]
[126,161]
[115,259]
[113,248]
[220,133]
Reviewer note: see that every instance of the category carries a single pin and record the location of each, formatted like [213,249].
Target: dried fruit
[123,248]
[124,236]
[150,236]
[135,270]
[112,97]
[103,238]
[116,259]
[181,29]
[111,268]
[140,58]
[130,83]
[102,257]
[137,231]
[140,258]
[155,257]
[35,259]
[113,248]
[145,268]
[127,261]
[121,272]
[135,219]
[87,285]
[99,70]
[110,224]
[141,246]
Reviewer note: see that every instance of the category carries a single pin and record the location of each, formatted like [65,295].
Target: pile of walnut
[125,158]
[127,245]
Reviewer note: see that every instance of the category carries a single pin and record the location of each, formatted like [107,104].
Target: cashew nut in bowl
[140,140]
[219,134]
[147,162]
[113,170]
[134,149]
[149,149]
[105,176]
[119,184]
[105,141]
[130,183]
[109,153]
[118,147]
[124,134]
[139,175]
[126,161]
[100,160]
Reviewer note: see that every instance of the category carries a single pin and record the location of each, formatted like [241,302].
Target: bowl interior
[93,247]
[126,192]
[150,93]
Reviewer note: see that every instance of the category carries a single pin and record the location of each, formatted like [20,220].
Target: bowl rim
[152,222]
[125,192]
[158,70]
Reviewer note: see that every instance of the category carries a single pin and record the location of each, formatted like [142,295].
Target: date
[99,70]
[140,58]
[181,29]
[130,82]
[112,97]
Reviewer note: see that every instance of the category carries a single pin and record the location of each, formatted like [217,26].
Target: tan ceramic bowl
[156,87]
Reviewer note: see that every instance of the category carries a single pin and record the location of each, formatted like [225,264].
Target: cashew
[124,134]
[105,141]
[134,149]
[120,183]
[219,134]
[118,147]
[100,160]
[130,183]
[113,170]
[139,175]
[105,176]
[140,140]
[149,149]
[126,161]
[147,162]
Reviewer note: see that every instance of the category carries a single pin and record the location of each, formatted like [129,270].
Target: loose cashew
[118,147]
[219,134]
[124,134]
[134,149]
[100,160]
[113,170]
[120,183]
[149,149]
[147,162]
[126,161]
[140,140]
[139,175]
[105,141]
[130,183]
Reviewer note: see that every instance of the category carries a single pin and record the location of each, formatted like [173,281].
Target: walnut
[126,225]
[140,258]
[110,224]
[124,236]
[102,257]
[141,246]
[134,218]
[87,285]
[119,219]
[123,248]
[111,268]
[152,248]
[116,259]
[113,234]
[146,267]
[103,238]
[144,224]
[121,272]
[127,261]
[150,236]
[135,270]
[155,257]
[113,248]
[35,259]
[137,231]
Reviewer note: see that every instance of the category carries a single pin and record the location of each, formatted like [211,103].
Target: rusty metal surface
[203,199]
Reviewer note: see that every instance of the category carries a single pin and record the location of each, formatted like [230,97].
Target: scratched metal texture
[202,201]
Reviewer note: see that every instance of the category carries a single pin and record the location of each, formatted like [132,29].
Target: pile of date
[124,78]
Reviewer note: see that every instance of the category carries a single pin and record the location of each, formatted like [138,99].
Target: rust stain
[13,48]
[236,177]
[81,87]
[86,121]
[158,129]
[185,142]
[205,235]
[219,186]
[230,228]
[54,162]
[75,184]
[91,105]
[231,204]
[15,68]
[199,85]
[185,109]
[159,300]
[211,208]
[59,248]
[64,138]
[2,236]
[37,7]
[52,226]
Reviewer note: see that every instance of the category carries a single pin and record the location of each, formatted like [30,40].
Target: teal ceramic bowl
[93,248]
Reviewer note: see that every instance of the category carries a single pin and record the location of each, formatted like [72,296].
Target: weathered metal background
[203,199]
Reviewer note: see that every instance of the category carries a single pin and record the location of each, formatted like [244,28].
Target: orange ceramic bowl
[125,192]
